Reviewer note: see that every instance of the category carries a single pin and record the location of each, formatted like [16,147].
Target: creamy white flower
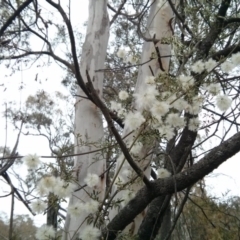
[91,180]
[198,67]
[63,189]
[90,233]
[223,102]
[214,88]
[227,66]
[122,112]
[146,97]
[166,131]
[91,206]
[123,95]
[174,120]
[76,209]
[115,106]
[236,59]
[159,109]
[180,104]
[45,232]
[122,53]
[163,173]
[186,82]
[193,124]
[38,206]
[136,148]
[131,59]
[193,109]
[42,191]
[32,161]
[48,182]
[150,80]
[133,120]
[210,64]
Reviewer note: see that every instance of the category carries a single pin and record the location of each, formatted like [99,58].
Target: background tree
[186,95]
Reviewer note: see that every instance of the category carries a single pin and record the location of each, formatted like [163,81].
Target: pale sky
[225,178]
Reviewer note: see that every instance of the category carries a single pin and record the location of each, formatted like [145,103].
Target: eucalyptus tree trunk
[88,118]
[159,29]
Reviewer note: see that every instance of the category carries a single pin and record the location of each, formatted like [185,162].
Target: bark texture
[88,118]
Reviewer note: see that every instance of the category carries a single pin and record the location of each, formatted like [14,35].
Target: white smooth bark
[159,24]
[88,118]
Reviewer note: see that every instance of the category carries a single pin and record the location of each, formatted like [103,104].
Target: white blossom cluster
[91,180]
[32,161]
[90,233]
[38,206]
[78,208]
[125,56]
[227,66]
[45,233]
[56,185]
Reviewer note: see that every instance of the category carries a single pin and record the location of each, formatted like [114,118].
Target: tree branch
[182,180]
[12,18]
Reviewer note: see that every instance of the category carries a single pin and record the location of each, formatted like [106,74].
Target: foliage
[166,87]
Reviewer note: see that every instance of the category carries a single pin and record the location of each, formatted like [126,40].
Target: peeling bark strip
[88,119]
[182,180]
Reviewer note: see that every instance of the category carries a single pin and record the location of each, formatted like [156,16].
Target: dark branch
[162,187]
[12,18]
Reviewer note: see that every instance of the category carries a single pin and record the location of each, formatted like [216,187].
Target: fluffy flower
[32,161]
[123,95]
[90,233]
[159,109]
[63,189]
[122,53]
[193,109]
[223,102]
[38,206]
[45,233]
[146,97]
[133,120]
[167,132]
[131,59]
[150,80]
[214,88]
[180,104]
[227,66]
[76,209]
[186,82]
[163,173]
[91,180]
[193,124]
[137,147]
[91,206]
[115,106]
[174,120]
[236,59]
[122,112]
[198,67]
[46,185]
[210,64]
